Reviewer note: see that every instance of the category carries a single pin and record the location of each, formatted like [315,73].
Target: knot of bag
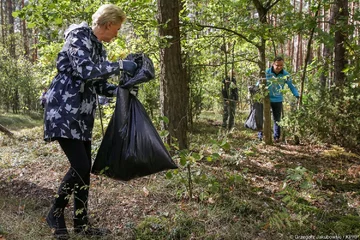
[144,72]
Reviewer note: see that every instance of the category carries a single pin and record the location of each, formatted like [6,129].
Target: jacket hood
[75,26]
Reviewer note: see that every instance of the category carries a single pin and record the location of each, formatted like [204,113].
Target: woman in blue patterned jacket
[83,70]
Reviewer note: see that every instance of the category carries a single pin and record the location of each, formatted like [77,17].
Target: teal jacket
[276,82]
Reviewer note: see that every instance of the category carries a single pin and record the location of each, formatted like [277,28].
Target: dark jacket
[82,72]
[229,89]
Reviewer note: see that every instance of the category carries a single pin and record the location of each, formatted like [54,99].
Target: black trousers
[276,108]
[77,179]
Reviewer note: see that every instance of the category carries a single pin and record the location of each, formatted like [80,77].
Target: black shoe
[87,230]
[55,219]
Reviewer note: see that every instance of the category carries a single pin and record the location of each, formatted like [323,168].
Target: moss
[152,227]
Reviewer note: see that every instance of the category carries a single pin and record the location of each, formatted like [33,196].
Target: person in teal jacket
[276,78]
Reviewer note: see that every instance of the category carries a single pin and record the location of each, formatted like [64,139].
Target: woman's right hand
[129,67]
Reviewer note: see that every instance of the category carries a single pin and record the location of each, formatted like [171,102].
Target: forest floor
[241,189]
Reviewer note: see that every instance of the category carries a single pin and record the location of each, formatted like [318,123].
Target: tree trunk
[35,50]
[325,54]
[307,57]
[3,32]
[341,23]
[326,57]
[262,11]
[25,35]
[11,28]
[16,101]
[300,44]
[174,91]
[266,100]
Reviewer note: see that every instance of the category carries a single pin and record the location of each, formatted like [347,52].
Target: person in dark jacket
[230,95]
[276,78]
[83,70]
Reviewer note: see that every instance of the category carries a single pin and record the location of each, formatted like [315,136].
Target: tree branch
[6,131]
[269,5]
[229,30]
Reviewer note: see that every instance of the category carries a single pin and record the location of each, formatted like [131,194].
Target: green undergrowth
[228,186]
[20,121]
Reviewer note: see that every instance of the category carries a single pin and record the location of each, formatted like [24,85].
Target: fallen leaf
[146,192]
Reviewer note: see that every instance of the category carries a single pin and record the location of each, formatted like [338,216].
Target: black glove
[128,66]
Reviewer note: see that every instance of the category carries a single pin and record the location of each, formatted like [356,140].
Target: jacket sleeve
[235,91]
[223,89]
[106,89]
[80,54]
[292,87]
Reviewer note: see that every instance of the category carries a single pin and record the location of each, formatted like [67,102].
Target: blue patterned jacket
[83,71]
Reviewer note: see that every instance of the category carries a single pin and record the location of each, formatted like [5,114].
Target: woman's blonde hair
[108,13]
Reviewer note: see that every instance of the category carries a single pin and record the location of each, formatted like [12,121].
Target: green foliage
[49,16]
[297,193]
[198,184]
[280,220]
[186,227]
[327,119]
[160,227]
[347,224]
[341,225]
[19,121]
[149,96]
[207,29]
[152,227]
[20,89]
[300,177]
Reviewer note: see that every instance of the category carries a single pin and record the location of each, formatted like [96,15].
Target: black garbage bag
[255,119]
[131,146]
[144,73]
